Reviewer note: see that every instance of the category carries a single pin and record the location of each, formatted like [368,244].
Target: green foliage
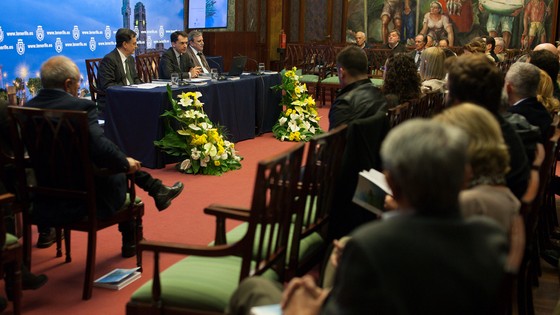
[204,147]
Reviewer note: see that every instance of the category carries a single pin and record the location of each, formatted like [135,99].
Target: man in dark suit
[60,78]
[176,59]
[420,42]
[118,66]
[195,51]
[521,83]
[394,42]
[424,258]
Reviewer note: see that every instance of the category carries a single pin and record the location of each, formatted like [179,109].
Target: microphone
[216,63]
[256,64]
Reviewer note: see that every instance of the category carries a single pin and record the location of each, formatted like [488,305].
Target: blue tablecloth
[245,107]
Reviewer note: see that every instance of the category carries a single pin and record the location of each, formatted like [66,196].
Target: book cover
[371,191]
[118,278]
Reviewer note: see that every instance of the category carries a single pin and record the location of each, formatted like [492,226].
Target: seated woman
[545,94]
[437,25]
[487,193]
[400,80]
[432,70]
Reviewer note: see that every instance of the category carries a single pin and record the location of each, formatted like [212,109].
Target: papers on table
[153,84]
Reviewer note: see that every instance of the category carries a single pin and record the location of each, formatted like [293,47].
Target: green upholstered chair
[55,145]
[204,282]
[11,254]
[318,61]
[308,225]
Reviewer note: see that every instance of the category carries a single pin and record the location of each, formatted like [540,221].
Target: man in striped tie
[195,51]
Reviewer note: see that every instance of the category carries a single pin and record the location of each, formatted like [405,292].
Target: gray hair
[524,79]
[193,34]
[56,70]
[426,161]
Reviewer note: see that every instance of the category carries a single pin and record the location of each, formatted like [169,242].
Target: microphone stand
[220,76]
[256,64]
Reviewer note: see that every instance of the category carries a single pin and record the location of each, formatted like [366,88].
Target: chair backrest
[92,68]
[322,164]
[57,145]
[147,66]
[273,204]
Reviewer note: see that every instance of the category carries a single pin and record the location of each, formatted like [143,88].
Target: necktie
[203,61]
[127,73]
[179,62]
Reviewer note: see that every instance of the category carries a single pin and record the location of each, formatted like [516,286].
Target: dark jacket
[168,64]
[111,190]
[357,100]
[535,113]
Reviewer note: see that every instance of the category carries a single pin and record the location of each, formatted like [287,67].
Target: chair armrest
[185,249]
[222,212]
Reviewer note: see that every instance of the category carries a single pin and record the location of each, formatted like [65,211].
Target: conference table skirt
[245,107]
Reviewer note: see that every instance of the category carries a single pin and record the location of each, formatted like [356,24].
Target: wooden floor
[547,294]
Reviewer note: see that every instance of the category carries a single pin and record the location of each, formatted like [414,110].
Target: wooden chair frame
[57,145]
[11,255]
[272,207]
[147,66]
[92,69]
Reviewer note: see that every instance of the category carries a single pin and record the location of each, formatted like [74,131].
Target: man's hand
[303,297]
[133,165]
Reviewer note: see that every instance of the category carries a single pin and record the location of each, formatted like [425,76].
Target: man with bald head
[547,46]
[361,40]
[60,78]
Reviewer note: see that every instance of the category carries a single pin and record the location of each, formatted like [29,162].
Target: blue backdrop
[31,31]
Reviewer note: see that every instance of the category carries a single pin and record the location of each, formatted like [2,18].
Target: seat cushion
[202,283]
[10,240]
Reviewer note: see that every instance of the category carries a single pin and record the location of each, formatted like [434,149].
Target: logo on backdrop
[107,32]
[76,32]
[1,34]
[161,31]
[58,45]
[20,47]
[40,33]
[92,44]
[149,42]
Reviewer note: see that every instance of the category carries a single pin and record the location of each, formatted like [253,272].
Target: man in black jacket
[61,78]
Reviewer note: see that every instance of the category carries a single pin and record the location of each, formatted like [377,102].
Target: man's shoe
[165,194]
[551,256]
[128,250]
[46,239]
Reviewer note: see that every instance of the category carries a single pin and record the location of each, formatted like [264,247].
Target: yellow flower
[199,139]
[310,101]
[217,162]
[288,112]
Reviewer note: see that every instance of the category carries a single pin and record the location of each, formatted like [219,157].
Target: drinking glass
[214,74]
[174,80]
[261,67]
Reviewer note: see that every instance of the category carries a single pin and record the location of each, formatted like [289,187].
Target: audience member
[419,46]
[430,42]
[176,60]
[547,46]
[490,47]
[394,42]
[521,83]
[499,48]
[361,40]
[475,79]
[60,78]
[475,46]
[488,157]
[461,275]
[358,97]
[432,70]
[548,62]
[443,43]
[544,94]
[401,81]
[195,51]
[118,67]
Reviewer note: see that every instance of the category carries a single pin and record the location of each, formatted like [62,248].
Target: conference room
[213,213]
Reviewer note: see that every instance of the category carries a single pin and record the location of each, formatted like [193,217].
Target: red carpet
[184,221]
